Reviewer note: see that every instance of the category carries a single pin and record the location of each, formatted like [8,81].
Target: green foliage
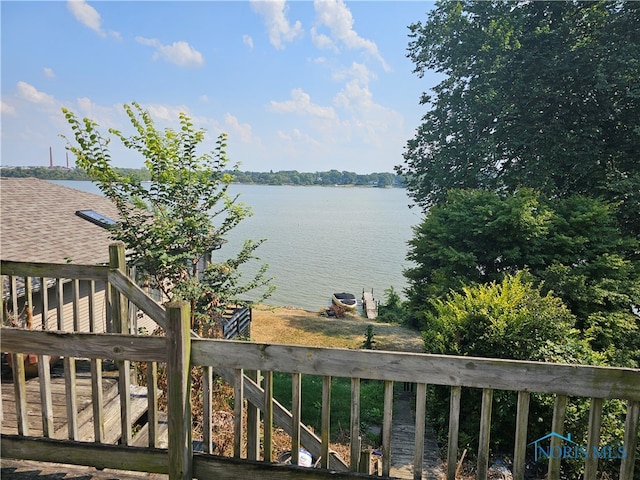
[369,342]
[511,320]
[371,401]
[571,247]
[171,226]
[538,94]
[394,310]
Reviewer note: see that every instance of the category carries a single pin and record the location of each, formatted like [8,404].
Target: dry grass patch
[299,327]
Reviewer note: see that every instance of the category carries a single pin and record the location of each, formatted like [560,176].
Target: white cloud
[300,103]
[89,17]
[33,95]
[7,109]
[322,41]
[179,53]
[247,40]
[336,16]
[274,13]
[167,113]
[49,73]
[357,71]
[241,130]
[368,120]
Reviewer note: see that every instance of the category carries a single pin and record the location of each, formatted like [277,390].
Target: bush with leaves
[171,226]
[511,320]
[394,309]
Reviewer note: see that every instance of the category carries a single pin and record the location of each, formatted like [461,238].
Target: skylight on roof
[95,217]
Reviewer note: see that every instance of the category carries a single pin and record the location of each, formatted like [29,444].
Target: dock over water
[369,305]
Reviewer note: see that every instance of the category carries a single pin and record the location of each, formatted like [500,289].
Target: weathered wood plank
[238,413]
[574,380]
[60,304]
[152,403]
[484,435]
[325,420]
[630,440]
[44,374]
[557,426]
[296,416]
[72,397]
[454,427]
[207,408]
[97,400]
[355,439]
[54,270]
[222,468]
[76,305]
[267,416]
[124,387]
[136,295]
[387,422]
[45,302]
[13,282]
[253,416]
[112,416]
[418,447]
[520,443]
[179,391]
[84,345]
[20,391]
[593,438]
[81,453]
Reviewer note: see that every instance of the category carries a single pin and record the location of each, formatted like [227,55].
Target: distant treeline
[286,177]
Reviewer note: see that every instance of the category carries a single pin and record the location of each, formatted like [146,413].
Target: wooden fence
[243,363]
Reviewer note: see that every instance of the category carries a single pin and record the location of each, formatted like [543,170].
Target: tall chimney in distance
[67,160]
[50,158]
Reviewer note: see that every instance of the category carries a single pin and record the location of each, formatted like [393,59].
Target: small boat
[345,300]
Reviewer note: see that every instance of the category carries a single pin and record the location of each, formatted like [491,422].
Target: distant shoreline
[331,178]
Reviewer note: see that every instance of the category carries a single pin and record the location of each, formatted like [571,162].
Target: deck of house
[33,432]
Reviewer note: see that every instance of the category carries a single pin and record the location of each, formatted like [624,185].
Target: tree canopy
[572,247]
[171,225]
[538,94]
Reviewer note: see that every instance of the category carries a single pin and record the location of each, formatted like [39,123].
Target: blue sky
[301,85]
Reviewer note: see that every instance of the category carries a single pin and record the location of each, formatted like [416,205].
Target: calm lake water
[322,240]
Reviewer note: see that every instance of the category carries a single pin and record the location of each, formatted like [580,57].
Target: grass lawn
[300,327]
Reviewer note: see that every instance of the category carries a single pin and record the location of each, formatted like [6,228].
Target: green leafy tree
[537,94]
[510,319]
[172,225]
[572,247]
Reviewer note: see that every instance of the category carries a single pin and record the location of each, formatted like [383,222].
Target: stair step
[111,416]
[142,437]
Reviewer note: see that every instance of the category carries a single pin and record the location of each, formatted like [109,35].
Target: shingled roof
[38,223]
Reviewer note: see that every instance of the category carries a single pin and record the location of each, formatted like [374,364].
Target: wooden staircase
[110,407]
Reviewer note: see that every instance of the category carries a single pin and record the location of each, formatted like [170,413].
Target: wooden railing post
[179,391]
[120,318]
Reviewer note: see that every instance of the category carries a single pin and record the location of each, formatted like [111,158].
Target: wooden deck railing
[239,361]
